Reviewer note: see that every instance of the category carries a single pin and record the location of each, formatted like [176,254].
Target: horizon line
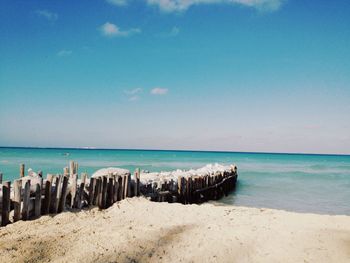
[171,150]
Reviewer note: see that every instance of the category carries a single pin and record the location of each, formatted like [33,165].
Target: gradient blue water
[302,183]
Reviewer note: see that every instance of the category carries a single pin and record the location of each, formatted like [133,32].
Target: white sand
[136,230]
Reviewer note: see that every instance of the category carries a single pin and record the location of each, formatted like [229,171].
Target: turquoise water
[302,183]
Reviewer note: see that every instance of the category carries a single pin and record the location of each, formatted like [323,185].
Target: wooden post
[71,168]
[26,200]
[62,201]
[80,196]
[17,188]
[76,168]
[100,193]
[54,188]
[73,190]
[37,204]
[6,203]
[66,171]
[180,188]
[47,199]
[128,193]
[126,186]
[115,188]
[104,192]
[91,190]
[21,170]
[110,194]
[59,182]
[120,188]
[137,182]
[95,200]
[0,177]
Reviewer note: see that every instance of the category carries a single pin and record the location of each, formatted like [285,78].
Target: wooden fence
[35,196]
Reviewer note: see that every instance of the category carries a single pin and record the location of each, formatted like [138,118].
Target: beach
[137,230]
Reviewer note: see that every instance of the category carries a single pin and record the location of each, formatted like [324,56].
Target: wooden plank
[47,198]
[129,193]
[80,196]
[73,190]
[115,190]
[120,188]
[66,171]
[71,168]
[6,203]
[54,188]
[37,203]
[26,200]
[110,191]
[137,180]
[126,186]
[95,200]
[62,201]
[100,193]
[21,170]
[104,192]
[179,188]
[92,185]
[59,182]
[17,189]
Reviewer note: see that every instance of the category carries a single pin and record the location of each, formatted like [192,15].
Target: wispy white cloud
[47,14]
[117,2]
[183,5]
[64,53]
[133,94]
[159,91]
[133,91]
[111,30]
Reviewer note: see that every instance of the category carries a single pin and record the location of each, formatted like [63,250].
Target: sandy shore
[136,230]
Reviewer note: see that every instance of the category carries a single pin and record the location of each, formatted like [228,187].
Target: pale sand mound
[136,230]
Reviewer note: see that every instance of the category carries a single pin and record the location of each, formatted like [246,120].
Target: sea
[306,183]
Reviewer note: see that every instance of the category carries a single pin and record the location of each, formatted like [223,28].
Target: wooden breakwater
[31,196]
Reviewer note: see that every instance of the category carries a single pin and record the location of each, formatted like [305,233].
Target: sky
[226,75]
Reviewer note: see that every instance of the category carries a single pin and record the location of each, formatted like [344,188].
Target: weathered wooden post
[91,190]
[128,188]
[59,181]
[115,188]
[62,201]
[66,171]
[21,170]
[110,194]
[95,200]
[17,188]
[80,195]
[6,202]
[120,188]
[71,168]
[73,190]
[137,182]
[180,188]
[1,177]
[26,200]
[125,183]
[37,202]
[104,192]
[47,198]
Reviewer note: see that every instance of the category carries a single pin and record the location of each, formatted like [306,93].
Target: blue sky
[237,75]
